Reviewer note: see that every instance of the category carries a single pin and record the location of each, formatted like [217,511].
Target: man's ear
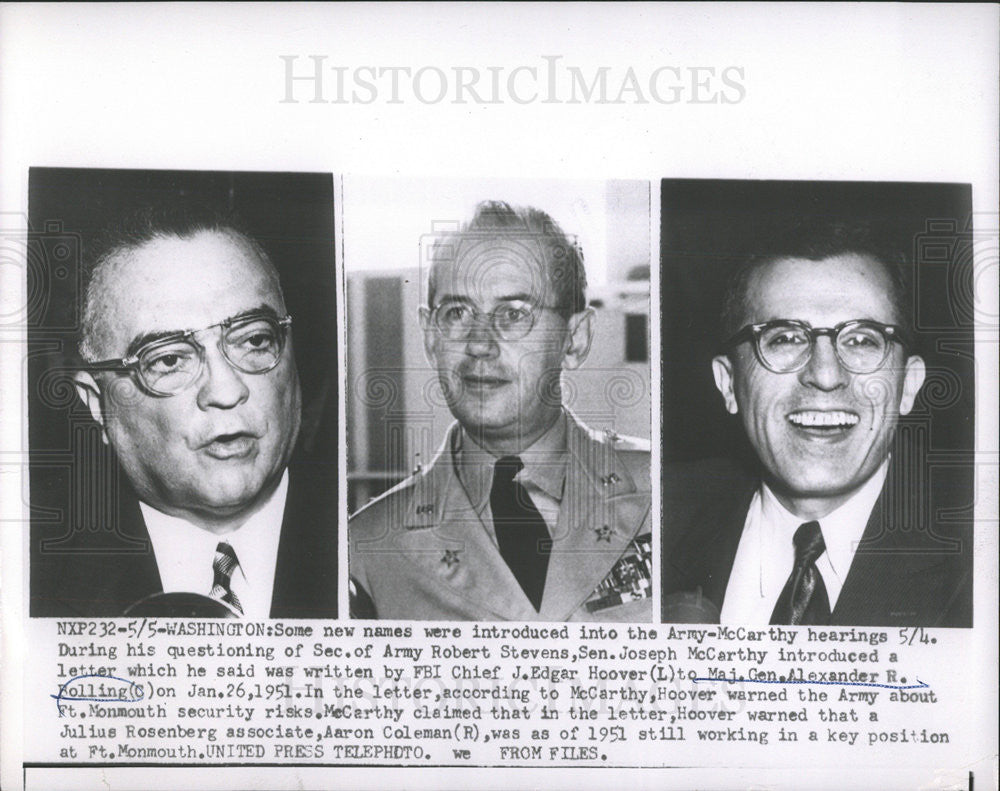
[722,370]
[581,335]
[429,333]
[90,393]
[913,380]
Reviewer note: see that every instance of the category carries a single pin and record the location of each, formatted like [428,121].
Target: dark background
[709,226]
[75,479]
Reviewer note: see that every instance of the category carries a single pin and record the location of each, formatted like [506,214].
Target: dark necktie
[521,532]
[222,567]
[803,599]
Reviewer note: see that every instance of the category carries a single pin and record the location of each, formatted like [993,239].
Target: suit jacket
[421,552]
[903,574]
[93,574]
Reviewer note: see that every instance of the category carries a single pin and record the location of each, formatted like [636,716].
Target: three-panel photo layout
[314,396]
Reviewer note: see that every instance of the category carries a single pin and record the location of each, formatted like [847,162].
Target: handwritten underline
[60,698]
[919,685]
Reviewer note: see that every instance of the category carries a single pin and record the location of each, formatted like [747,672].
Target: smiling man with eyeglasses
[188,369]
[524,514]
[818,365]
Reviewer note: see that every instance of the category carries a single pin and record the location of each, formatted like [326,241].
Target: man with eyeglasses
[818,364]
[524,514]
[189,371]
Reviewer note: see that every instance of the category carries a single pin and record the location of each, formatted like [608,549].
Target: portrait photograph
[182,394]
[818,402]
[498,399]
[470,395]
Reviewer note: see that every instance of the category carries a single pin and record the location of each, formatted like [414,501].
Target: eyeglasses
[786,345]
[251,343]
[510,321]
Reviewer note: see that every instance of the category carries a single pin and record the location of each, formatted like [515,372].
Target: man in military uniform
[525,513]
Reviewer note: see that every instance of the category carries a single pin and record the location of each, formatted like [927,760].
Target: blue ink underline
[919,685]
[59,698]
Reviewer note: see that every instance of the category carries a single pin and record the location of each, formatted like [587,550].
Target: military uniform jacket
[421,551]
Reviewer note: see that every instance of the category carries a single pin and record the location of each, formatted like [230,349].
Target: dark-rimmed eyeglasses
[509,321]
[251,343]
[786,345]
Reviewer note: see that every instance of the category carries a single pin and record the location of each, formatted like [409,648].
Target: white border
[840,91]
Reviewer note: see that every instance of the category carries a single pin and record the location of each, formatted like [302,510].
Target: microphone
[689,607]
[362,605]
[180,605]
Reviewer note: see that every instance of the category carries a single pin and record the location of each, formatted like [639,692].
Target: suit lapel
[703,554]
[601,512]
[103,581]
[305,576]
[903,573]
[899,574]
[726,541]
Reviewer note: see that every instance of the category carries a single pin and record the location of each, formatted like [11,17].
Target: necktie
[222,567]
[803,599]
[521,532]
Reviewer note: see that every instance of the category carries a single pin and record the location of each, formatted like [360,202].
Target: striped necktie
[804,599]
[223,566]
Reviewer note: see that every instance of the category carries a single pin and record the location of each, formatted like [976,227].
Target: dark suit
[902,574]
[96,575]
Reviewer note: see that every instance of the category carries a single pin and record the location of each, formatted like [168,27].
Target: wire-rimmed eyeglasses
[251,343]
[511,320]
[786,345]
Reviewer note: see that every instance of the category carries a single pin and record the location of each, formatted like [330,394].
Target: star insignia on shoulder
[603,533]
[450,558]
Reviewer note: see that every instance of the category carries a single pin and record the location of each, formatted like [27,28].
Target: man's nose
[481,340]
[221,386]
[824,370]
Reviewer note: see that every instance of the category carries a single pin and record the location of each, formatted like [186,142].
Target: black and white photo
[536,503]
[434,396]
[828,480]
[182,465]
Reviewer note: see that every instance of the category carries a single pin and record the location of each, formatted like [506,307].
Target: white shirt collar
[765,555]
[185,552]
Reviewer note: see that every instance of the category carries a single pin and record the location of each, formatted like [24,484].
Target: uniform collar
[544,464]
[600,512]
[597,470]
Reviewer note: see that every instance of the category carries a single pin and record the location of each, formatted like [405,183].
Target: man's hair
[525,225]
[815,241]
[137,228]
